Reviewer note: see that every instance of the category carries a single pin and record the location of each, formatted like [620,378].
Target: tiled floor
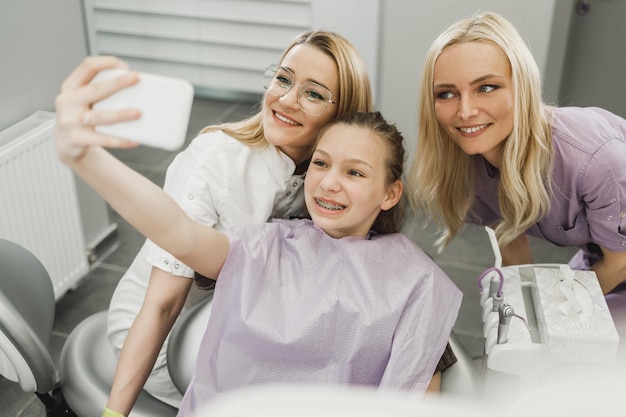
[463,260]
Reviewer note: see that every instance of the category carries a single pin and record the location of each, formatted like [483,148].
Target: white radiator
[38,202]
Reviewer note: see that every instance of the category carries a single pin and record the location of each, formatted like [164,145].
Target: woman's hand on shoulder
[75,118]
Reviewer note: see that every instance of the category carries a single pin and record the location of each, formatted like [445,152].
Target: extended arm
[611,269]
[151,211]
[434,386]
[164,300]
[517,252]
[141,202]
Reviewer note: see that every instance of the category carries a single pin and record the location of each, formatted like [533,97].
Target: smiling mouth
[329,206]
[473,129]
[285,120]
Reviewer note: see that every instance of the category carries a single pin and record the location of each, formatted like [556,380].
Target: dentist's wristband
[110,413]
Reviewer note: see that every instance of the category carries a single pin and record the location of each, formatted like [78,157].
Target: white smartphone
[165,105]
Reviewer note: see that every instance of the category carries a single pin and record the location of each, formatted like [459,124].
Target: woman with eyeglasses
[231,174]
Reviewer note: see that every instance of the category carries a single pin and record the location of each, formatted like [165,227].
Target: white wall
[362,29]
[596,58]
[408,27]
[40,42]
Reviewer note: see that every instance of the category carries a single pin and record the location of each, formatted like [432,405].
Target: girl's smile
[346,183]
[329,205]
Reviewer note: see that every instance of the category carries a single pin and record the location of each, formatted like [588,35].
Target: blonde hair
[355,95]
[355,91]
[442,175]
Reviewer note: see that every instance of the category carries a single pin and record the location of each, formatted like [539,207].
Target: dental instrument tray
[540,315]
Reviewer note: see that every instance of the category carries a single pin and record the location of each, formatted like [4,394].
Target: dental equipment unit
[542,315]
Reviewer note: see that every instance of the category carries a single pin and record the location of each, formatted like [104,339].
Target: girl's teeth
[329,206]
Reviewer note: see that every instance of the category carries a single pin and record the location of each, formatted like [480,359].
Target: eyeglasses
[313,99]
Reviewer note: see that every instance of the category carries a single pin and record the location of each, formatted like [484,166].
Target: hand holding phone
[165,105]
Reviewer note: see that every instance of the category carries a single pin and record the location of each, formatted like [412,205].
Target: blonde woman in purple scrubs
[491,152]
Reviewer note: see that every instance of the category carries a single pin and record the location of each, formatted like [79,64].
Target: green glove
[110,413]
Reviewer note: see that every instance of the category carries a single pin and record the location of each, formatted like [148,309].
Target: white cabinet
[221,44]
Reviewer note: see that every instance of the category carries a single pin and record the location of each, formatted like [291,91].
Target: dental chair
[463,379]
[87,364]
[26,317]
[81,385]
